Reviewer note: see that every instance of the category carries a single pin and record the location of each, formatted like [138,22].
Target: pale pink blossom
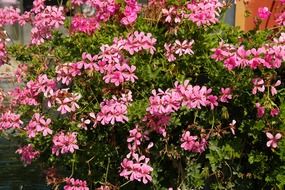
[178,48]
[258,85]
[273,140]
[232,126]
[273,89]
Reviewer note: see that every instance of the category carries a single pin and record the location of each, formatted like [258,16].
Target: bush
[157,96]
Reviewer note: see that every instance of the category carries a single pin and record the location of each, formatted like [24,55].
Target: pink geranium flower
[258,85]
[75,184]
[28,153]
[64,143]
[273,140]
[192,143]
[226,94]
[263,13]
[260,110]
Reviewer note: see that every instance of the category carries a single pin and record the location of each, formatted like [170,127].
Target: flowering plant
[155,96]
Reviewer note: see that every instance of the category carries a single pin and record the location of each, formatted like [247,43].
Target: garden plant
[162,95]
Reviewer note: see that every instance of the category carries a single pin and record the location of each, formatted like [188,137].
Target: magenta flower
[273,140]
[274,112]
[64,143]
[28,153]
[263,13]
[75,184]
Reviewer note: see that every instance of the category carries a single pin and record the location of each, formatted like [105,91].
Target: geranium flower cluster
[136,168]
[172,14]
[105,9]
[111,61]
[131,12]
[268,56]
[205,12]
[75,184]
[87,25]
[66,101]
[114,110]
[9,15]
[28,153]
[163,103]
[64,143]
[202,13]
[259,86]
[178,48]
[135,140]
[10,120]
[193,97]
[192,143]
[38,124]
[28,95]
[22,97]
[51,17]
[43,19]
[66,72]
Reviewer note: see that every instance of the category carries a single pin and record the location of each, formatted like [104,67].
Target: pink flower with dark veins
[258,85]
[273,140]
